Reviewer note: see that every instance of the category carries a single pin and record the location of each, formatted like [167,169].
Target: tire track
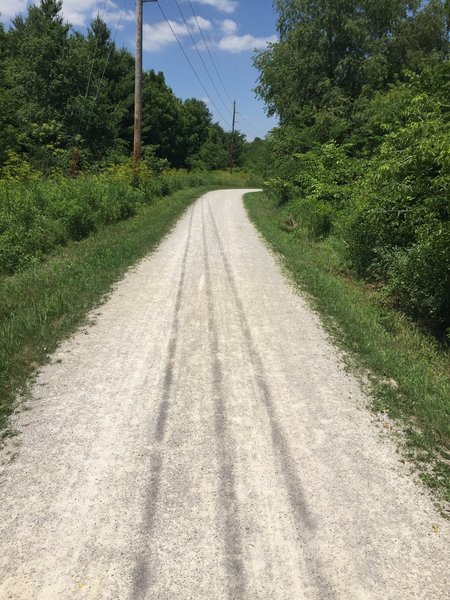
[142,578]
[305,520]
[202,441]
[227,486]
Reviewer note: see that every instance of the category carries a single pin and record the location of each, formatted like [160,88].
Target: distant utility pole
[138,91]
[232,138]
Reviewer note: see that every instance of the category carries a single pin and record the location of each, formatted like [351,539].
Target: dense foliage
[38,216]
[66,103]
[362,152]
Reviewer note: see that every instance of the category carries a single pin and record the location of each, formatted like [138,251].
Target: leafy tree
[255,156]
[67,100]
[162,118]
[196,122]
[101,113]
[8,125]
[330,52]
[361,90]
[214,154]
[35,78]
[38,44]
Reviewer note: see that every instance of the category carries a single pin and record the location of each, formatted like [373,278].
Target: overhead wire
[246,132]
[250,126]
[192,66]
[219,95]
[107,61]
[252,129]
[94,54]
[213,62]
[111,48]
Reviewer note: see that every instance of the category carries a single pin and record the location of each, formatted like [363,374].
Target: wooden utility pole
[138,91]
[232,138]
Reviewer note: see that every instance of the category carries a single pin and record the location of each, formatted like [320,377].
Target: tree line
[66,102]
[361,156]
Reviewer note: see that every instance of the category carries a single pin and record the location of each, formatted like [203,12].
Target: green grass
[409,371]
[38,216]
[41,305]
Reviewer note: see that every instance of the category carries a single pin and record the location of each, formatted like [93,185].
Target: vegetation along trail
[203,440]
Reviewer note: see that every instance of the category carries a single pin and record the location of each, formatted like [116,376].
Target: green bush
[419,277]
[316,216]
[37,215]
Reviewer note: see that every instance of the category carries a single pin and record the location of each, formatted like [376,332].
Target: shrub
[419,277]
[37,215]
[316,216]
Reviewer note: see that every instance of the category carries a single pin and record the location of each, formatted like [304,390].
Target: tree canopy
[61,90]
[361,90]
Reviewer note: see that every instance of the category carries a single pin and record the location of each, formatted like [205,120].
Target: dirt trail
[202,440]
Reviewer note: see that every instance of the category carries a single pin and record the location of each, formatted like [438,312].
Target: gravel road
[202,440]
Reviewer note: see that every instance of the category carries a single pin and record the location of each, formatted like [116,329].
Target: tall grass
[68,242]
[38,216]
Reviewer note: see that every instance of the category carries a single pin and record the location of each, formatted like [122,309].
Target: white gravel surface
[202,440]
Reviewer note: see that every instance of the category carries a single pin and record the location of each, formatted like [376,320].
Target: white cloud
[155,37]
[229,27]
[226,6]
[241,43]
[79,12]
[10,9]
[204,24]
[159,35]
[76,12]
[116,18]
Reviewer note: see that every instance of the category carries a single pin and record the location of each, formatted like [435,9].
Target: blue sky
[231,28]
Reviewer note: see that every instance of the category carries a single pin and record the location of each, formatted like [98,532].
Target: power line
[209,52]
[232,138]
[110,49]
[191,65]
[243,131]
[106,62]
[93,60]
[219,95]
[249,121]
[250,126]
[252,129]
[240,128]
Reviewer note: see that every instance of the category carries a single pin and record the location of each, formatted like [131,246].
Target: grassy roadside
[41,305]
[39,215]
[409,372]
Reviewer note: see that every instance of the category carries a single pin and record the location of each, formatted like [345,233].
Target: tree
[101,110]
[35,78]
[196,123]
[334,50]
[162,122]
[38,44]
[215,152]
[67,99]
[361,90]
[255,157]
[8,124]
